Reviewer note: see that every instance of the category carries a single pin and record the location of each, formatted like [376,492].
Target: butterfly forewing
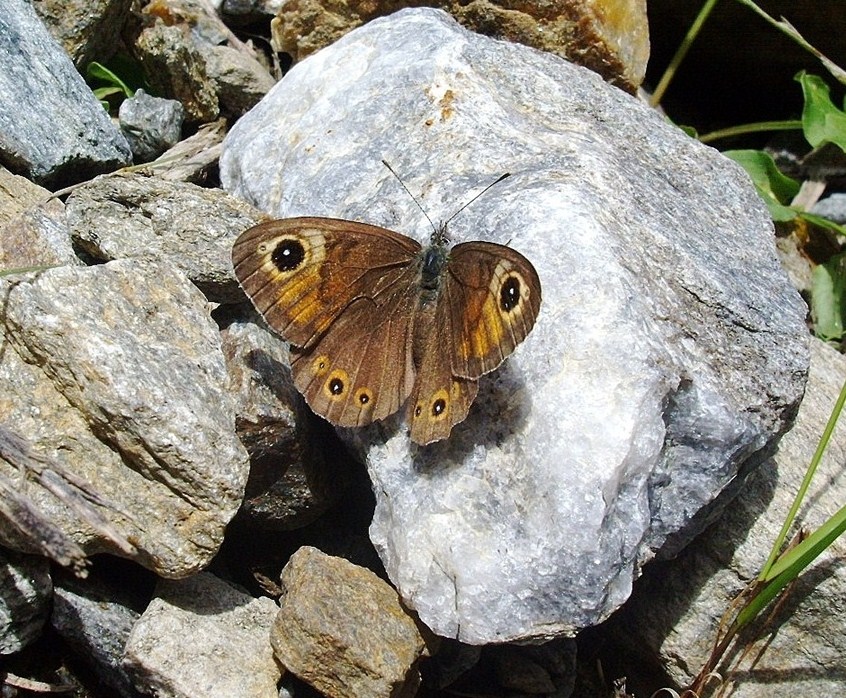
[302,272]
[491,294]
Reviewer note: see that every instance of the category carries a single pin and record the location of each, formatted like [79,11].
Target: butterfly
[377,321]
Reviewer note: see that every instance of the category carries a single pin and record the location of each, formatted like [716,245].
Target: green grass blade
[757,127]
[803,488]
[790,566]
[797,559]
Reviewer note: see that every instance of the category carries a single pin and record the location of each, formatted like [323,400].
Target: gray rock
[675,611]
[547,670]
[241,80]
[187,227]
[202,638]
[832,207]
[115,371]
[52,128]
[25,589]
[669,355]
[291,483]
[95,622]
[343,630]
[33,230]
[238,8]
[151,124]
[88,30]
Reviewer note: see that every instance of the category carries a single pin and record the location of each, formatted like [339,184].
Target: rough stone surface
[96,623]
[202,638]
[116,372]
[151,124]
[342,629]
[25,588]
[33,231]
[190,228]
[175,68]
[669,355]
[240,79]
[610,37]
[291,482]
[88,30]
[676,608]
[52,128]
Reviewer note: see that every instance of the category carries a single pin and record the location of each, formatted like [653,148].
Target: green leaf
[828,282]
[822,122]
[97,71]
[775,188]
[102,92]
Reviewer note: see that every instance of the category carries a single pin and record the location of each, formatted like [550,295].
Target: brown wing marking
[440,400]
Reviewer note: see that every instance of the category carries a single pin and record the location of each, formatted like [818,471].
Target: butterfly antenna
[422,210]
[495,182]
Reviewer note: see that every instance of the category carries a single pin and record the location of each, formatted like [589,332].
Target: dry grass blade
[787,28]
[34,686]
[191,158]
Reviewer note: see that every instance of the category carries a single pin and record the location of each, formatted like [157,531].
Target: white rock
[675,611]
[669,351]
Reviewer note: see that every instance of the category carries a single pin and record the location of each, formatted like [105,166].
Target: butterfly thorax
[434,260]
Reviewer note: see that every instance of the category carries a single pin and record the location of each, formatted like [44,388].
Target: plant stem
[681,52]
[757,127]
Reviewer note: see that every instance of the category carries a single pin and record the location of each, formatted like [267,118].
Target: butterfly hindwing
[488,300]
[440,399]
[362,370]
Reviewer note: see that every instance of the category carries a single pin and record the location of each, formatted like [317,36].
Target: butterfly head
[440,236]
